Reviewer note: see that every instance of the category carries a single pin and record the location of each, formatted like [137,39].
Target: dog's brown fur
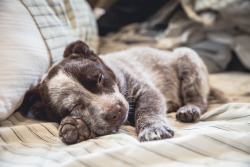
[101,93]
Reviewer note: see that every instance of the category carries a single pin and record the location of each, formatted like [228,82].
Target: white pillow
[24,57]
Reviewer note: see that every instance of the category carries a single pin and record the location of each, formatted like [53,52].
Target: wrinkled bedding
[220,138]
[217,30]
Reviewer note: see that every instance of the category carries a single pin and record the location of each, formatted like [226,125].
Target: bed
[220,138]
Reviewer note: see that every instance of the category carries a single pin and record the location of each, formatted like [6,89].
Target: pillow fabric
[61,22]
[23,56]
[34,34]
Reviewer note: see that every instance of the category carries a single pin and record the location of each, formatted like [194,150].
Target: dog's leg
[194,84]
[172,92]
[150,116]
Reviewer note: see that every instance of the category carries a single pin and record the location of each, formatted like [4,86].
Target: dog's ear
[78,48]
[32,100]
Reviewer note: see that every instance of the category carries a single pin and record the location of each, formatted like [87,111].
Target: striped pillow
[61,22]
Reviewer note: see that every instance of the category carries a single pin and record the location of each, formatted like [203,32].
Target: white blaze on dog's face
[83,86]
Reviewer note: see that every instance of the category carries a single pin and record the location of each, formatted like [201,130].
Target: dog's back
[146,65]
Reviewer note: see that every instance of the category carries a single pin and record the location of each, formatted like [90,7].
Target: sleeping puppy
[91,96]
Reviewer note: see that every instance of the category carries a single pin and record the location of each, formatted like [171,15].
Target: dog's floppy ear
[32,100]
[78,48]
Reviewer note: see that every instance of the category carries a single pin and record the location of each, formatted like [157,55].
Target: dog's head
[80,85]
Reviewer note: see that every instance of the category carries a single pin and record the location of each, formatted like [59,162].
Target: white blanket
[221,138]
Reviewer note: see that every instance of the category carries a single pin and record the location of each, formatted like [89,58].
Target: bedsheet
[220,138]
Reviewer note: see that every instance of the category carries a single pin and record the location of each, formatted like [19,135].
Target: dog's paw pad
[155,133]
[73,130]
[172,106]
[189,113]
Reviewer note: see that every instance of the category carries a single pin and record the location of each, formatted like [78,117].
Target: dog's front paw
[155,131]
[73,130]
[189,113]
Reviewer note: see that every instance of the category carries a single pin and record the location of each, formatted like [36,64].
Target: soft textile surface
[221,138]
[23,56]
[213,28]
[61,22]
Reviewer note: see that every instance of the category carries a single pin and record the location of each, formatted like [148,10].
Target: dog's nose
[114,113]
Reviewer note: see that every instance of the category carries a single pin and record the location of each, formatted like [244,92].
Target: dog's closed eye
[100,80]
[78,106]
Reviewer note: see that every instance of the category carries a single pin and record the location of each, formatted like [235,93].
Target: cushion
[61,22]
[24,57]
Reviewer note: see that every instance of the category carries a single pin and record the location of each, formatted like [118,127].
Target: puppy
[91,96]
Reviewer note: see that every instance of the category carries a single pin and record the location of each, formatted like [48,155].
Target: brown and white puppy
[93,95]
